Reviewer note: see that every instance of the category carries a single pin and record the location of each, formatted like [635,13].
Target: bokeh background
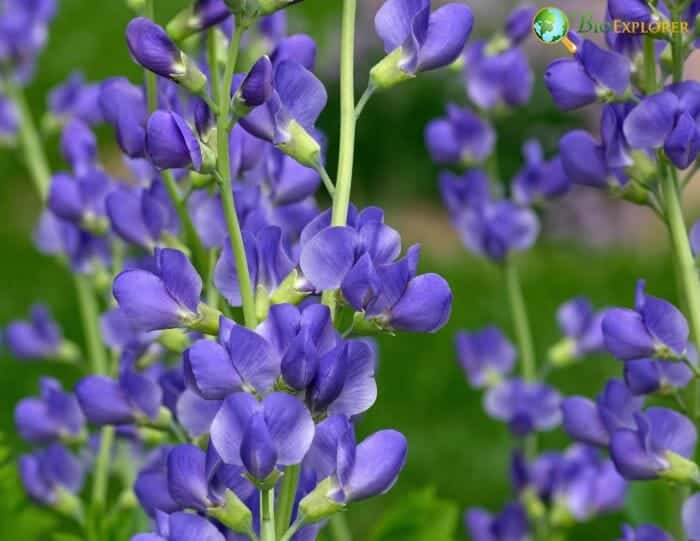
[590,246]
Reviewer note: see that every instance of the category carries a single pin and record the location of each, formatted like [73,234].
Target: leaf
[421,516]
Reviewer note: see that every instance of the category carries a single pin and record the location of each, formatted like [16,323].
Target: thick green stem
[224,168]
[677,48]
[267,515]
[90,316]
[339,528]
[341,199]
[521,323]
[32,149]
[285,500]
[649,65]
[101,476]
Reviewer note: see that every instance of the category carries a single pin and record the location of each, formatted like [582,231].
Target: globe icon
[550,25]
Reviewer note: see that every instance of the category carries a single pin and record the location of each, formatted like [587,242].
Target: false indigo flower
[262,435]
[584,161]
[525,406]
[630,10]
[645,532]
[691,516]
[134,397]
[171,143]
[582,328]
[80,200]
[539,179]
[496,228]
[50,475]
[655,329]
[461,138]
[287,119]
[151,484]
[151,47]
[9,120]
[268,265]
[468,191]
[163,299]
[646,376]
[417,40]
[76,99]
[669,119]
[519,24]
[497,78]
[182,527]
[124,107]
[592,74]
[53,415]
[286,179]
[659,446]
[199,16]
[142,216]
[486,356]
[40,337]
[512,524]
[595,422]
[298,48]
[79,146]
[255,89]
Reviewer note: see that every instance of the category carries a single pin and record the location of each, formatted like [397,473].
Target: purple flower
[163,299]
[417,40]
[691,517]
[75,99]
[646,376]
[468,191]
[54,415]
[9,120]
[262,435]
[51,474]
[81,200]
[585,161]
[255,88]
[286,179]
[461,138]
[79,146]
[142,216]
[287,118]
[40,337]
[660,440]
[525,406]
[151,484]
[268,265]
[582,329]
[645,532]
[519,24]
[201,15]
[668,119]
[124,107]
[497,228]
[539,179]
[512,524]
[630,10]
[486,356]
[595,422]
[655,329]
[182,527]
[151,47]
[171,143]
[134,397]
[593,74]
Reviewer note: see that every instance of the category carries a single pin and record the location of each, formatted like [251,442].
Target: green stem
[677,48]
[327,182]
[90,316]
[364,99]
[294,528]
[341,199]
[521,322]
[32,149]
[339,528]
[267,515]
[199,253]
[101,476]
[285,500]
[224,169]
[151,85]
[649,65]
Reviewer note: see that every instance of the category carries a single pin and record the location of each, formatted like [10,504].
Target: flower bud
[234,514]
[318,505]
[680,470]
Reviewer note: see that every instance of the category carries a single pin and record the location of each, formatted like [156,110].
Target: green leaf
[421,516]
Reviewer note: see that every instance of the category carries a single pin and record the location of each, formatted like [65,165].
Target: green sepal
[152,436]
[317,505]
[301,146]
[262,302]
[184,24]
[563,353]
[191,77]
[207,321]
[561,516]
[175,340]
[287,292]
[234,514]
[681,470]
[533,504]
[388,73]
[68,352]
[136,5]
[69,505]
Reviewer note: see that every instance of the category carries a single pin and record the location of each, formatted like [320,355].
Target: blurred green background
[454,448]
